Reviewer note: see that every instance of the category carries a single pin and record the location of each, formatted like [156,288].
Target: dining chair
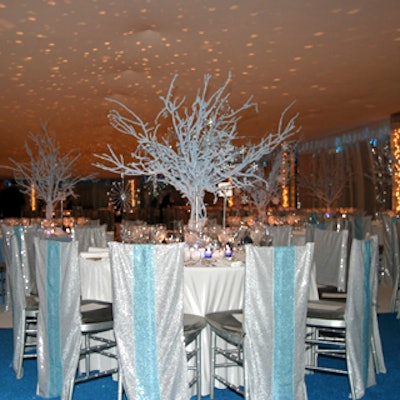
[266,338]
[25,235]
[192,328]
[360,226]
[390,245]
[90,236]
[147,286]
[391,258]
[349,330]
[65,333]
[24,309]
[331,256]
[281,235]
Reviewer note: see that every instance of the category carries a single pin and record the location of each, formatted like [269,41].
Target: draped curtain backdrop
[361,159]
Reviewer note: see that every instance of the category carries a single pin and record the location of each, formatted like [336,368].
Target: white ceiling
[339,59]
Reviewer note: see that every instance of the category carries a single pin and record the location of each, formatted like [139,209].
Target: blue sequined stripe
[284,317]
[53,318]
[144,319]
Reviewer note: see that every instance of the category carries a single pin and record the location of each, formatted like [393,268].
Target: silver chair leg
[120,386]
[198,366]
[212,364]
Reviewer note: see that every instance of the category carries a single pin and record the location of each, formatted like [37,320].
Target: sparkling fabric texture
[59,316]
[281,234]
[275,306]
[359,314]
[20,271]
[380,366]
[331,257]
[25,235]
[18,300]
[391,257]
[149,279]
[90,236]
[360,226]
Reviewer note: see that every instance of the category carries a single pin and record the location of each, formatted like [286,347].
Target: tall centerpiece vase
[49,210]
[198,213]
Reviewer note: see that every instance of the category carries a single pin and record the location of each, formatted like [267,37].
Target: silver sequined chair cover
[25,235]
[352,329]
[281,234]
[90,236]
[59,316]
[275,306]
[330,255]
[391,253]
[24,308]
[360,226]
[147,283]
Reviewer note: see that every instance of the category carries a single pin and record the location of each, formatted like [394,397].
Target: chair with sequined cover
[147,283]
[24,307]
[350,330]
[267,339]
[67,334]
[90,236]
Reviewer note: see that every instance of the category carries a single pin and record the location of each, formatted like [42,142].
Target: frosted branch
[48,171]
[198,150]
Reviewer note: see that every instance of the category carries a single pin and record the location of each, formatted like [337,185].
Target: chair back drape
[18,300]
[90,236]
[331,255]
[274,313]
[147,285]
[59,316]
[360,226]
[391,256]
[359,314]
[281,234]
[25,235]
[377,349]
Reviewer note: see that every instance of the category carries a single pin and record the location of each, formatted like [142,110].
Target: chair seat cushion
[192,326]
[97,319]
[226,325]
[326,309]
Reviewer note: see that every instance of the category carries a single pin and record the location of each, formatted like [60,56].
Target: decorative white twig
[197,151]
[328,180]
[48,171]
[267,187]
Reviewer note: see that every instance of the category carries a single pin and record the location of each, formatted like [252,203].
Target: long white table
[206,289]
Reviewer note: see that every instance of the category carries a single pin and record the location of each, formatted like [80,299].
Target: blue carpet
[319,386]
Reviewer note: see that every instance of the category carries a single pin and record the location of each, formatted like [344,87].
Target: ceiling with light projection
[339,61]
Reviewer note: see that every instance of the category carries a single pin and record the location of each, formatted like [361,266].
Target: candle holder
[208,252]
[228,251]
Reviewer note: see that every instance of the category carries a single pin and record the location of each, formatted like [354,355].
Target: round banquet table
[208,286]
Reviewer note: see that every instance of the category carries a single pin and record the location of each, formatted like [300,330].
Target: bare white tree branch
[261,190]
[48,171]
[328,180]
[198,150]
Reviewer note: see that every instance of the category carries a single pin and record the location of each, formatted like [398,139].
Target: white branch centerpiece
[328,180]
[267,187]
[197,151]
[48,171]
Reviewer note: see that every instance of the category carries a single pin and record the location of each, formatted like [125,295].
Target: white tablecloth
[206,289]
